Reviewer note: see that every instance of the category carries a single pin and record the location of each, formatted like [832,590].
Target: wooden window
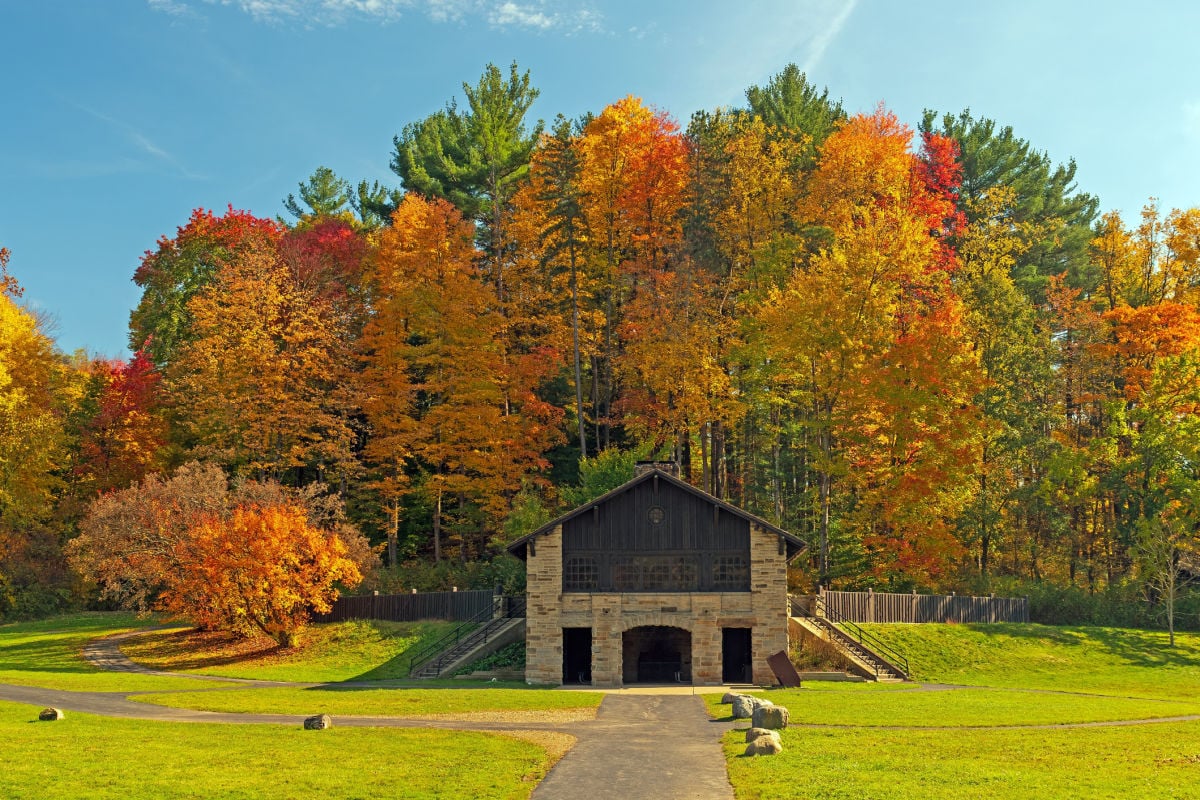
[730,573]
[581,574]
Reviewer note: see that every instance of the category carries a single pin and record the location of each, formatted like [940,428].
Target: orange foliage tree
[866,339]
[262,569]
[257,556]
[437,383]
[255,383]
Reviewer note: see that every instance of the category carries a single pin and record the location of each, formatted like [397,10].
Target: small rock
[773,717]
[728,697]
[50,714]
[754,733]
[318,723]
[765,746]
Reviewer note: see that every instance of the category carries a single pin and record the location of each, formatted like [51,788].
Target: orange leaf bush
[262,569]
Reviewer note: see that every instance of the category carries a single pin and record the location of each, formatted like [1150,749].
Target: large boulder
[767,745]
[754,733]
[773,717]
[318,723]
[744,705]
[728,697]
[50,714]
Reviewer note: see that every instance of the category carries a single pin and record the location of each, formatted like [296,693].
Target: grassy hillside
[363,650]
[1117,661]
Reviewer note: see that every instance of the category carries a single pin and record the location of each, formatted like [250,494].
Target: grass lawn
[376,702]
[49,653]
[343,651]
[1115,661]
[1122,675]
[957,707]
[1153,762]
[94,757]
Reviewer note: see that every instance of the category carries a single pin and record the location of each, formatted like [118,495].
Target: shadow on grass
[55,645]
[1134,647]
[399,666]
[191,649]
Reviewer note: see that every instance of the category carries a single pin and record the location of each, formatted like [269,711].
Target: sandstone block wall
[609,615]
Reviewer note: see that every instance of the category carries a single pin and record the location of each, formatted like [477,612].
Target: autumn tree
[37,391]
[181,267]
[218,556]
[1157,261]
[435,380]
[867,340]
[553,203]
[261,569]
[254,385]
[476,158]
[123,438]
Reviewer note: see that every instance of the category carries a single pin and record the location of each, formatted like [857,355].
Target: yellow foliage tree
[255,384]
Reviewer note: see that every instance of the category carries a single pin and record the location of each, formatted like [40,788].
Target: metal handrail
[876,644]
[460,632]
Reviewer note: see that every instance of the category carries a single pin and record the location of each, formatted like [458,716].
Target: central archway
[656,654]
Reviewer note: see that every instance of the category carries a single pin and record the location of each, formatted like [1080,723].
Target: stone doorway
[577,655]
[656,654]
[736,655]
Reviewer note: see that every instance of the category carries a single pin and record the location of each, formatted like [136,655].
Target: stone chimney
[669,467]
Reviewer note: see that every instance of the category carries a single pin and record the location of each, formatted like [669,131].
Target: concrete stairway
[865,660]
[486,639]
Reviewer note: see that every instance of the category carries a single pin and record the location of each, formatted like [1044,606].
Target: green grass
[376,702]
[344,651]
[1115,661]
[49,653]
[958,707]
[99,758]
[1154,762]
[1084,674]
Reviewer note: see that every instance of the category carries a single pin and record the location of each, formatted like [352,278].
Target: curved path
[617,755]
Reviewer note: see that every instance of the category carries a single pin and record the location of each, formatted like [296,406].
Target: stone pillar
[543,628]
[768,588]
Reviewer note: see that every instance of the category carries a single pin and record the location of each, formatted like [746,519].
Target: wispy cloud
[143,143]
[536,15]
[822,40]
[172,7]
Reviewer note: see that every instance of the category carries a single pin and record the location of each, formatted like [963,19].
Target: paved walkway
[660,746]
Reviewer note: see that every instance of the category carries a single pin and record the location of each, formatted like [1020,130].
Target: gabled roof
[794,544]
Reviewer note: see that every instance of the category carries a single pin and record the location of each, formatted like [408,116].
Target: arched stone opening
[656,654]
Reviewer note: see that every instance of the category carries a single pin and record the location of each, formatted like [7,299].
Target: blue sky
[122,116]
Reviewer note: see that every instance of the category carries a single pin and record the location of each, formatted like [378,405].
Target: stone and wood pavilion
[655,582]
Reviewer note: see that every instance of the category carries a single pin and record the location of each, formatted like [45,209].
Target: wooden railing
[870,606]
[453,606]
[892,658]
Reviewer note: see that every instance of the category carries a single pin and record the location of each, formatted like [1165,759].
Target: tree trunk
[575,347]
[393,534]
[437,527]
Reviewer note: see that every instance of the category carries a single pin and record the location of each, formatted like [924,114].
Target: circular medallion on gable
[656,515]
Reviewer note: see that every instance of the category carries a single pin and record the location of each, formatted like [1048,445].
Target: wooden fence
[454,606]
[884,607]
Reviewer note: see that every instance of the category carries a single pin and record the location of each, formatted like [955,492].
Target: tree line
[925,352]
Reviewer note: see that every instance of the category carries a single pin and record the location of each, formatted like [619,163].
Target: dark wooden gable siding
[656,537]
